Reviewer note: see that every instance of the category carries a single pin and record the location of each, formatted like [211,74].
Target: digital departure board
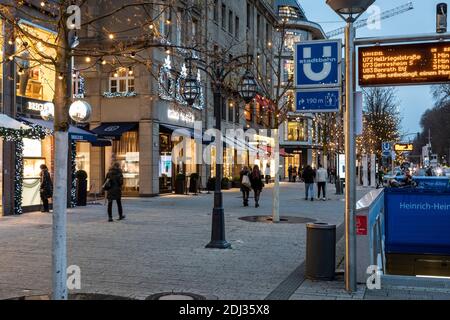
[410,64]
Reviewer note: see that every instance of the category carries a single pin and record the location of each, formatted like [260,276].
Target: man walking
[322,177]
[46,188]
[309,176]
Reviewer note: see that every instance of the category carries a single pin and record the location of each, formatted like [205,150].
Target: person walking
[245,185]
[308,176]
[322,177]
[294,174]
[267,174]
[113,187]
[46,188]
[290,171]
[257,184]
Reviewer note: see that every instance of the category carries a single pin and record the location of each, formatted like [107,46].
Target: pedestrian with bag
[245,185]
[46,188]
[308,176]
[322,177]
[257,184]
[113,186]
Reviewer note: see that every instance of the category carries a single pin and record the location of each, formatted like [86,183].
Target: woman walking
[113,186]
[46,188]
[245,185]
[257,184]
[267,174]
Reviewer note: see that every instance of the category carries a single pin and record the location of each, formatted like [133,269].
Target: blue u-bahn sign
[318,64]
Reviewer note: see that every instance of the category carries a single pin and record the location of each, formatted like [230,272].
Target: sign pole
[350,150]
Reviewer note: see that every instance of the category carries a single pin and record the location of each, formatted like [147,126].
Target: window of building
[194,30]
[230,22]
[165,20]
[224,16]
[258,27]
[224,109]
[236,27]
[179,29]
[231,106]
[249,16]
[259,118]
[122,80]
[297,130]
[248,113]
[237,117]
[216,11]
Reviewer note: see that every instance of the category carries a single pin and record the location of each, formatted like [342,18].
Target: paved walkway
[161,248]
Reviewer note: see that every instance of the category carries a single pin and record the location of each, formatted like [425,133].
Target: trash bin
[320,251]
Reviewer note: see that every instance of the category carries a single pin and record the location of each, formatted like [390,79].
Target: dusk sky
[422,19]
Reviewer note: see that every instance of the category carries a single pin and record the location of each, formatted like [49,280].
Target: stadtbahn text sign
[409,64]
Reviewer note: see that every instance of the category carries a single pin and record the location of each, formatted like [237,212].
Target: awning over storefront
[10,123]
[114,131]
[75,134]
[182,131]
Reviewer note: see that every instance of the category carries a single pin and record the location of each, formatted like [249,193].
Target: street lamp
[350,11]
[248,87]
[190,89]
[218,71]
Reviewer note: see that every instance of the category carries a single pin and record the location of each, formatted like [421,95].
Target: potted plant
[226,184]
[194,183]
[237,182]
[180,183]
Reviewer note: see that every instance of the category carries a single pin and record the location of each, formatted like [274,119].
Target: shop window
[297,131]
[122,81]
[126,152]
[35,77]
[83,159]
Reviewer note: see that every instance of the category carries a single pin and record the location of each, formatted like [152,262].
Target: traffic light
[441,18]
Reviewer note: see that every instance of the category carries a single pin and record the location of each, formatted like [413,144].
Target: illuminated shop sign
[412,64]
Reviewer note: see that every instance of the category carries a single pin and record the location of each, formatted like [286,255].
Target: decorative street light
[190,89]
[218,71]
[248,87]
[350,11]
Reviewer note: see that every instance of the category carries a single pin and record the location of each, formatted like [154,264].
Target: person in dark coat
[113,187]
[245,190]
[46,188]
[257,184]
[309,176]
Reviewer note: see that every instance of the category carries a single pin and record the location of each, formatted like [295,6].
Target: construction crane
[382,16]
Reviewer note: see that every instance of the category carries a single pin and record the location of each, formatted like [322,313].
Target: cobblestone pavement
[160,247]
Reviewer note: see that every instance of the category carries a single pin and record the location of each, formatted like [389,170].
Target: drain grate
[285,219]
[176,296]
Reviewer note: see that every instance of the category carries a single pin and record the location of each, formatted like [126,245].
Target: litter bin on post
[320,251]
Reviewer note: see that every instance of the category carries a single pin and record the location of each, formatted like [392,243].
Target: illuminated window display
[35,73]
[297,130]
[36,153]
[126,152]
[122,81]
[83,159]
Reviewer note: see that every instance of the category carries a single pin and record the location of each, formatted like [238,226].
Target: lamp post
[350,11]
[218,72]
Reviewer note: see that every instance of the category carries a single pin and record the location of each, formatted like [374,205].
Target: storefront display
[82,158]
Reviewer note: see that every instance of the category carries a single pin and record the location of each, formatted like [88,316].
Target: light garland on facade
[169,86]
[73,165]
[113,95]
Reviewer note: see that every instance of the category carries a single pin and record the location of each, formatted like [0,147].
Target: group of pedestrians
[251,180]
[312,177]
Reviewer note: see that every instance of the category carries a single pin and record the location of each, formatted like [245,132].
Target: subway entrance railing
[405,231]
